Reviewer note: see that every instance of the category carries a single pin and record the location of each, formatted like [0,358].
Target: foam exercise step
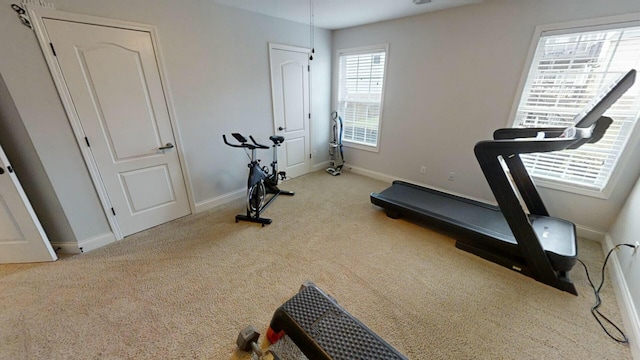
[322,329]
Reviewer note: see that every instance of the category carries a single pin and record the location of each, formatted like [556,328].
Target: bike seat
[277,139]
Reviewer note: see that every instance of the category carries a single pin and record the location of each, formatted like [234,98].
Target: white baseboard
[220,200]
[390,179]
[66,247]
[96,242]
[84,245]
[625,301]
[589,233]
[239,194]
[371,174]
[321,166]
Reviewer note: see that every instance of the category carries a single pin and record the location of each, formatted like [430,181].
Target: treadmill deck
[476,216]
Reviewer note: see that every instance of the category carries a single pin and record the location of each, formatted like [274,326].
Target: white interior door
[113,79]
[22,238]
[290,89]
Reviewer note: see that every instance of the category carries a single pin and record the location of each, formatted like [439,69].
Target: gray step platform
[322,329]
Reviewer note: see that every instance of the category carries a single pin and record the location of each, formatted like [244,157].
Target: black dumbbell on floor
[248,341]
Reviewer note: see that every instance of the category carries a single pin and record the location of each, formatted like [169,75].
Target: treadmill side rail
[488,155]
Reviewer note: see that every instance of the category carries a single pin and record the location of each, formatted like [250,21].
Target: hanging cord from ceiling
[311,30]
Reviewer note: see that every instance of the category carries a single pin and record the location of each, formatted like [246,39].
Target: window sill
[575,189]
[358,146]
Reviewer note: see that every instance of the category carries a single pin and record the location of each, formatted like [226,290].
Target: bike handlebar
[253,146]
[260,146]
[224,138]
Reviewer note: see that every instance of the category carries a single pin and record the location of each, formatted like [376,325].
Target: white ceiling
[340,14]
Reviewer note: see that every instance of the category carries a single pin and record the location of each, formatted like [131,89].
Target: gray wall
[29,170]
[451,81]
[218,72]
[625,230]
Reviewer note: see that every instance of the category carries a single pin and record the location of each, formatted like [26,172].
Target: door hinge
[53,49]
[309,115]
[113,212]
[309,156]
[10,169]
[309,68]
[87,141]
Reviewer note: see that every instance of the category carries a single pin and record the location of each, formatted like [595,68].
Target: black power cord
[596,291]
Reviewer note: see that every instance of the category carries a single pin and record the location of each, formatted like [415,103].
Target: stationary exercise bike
[262,181]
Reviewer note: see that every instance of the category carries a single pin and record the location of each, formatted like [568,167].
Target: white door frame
[275,46]
[36,14]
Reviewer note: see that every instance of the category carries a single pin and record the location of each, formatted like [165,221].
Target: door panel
[22,238]
[290,87]
[114,82]
[131,131]
[148,188]
[293,95]
[10,230]
[295,151]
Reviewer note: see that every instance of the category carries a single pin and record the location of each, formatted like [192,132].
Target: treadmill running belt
[470,214]
[479,217]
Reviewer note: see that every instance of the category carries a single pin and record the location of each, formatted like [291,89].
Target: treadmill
[528,241]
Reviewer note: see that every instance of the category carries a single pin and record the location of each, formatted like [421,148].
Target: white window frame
[633,139]
[354,51]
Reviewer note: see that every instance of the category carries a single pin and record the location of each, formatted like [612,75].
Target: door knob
[281,128]
[168,146]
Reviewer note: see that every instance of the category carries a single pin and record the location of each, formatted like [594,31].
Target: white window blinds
[360,94]
[567,71]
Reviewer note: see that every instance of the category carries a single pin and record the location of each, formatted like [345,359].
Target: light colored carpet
[185,289]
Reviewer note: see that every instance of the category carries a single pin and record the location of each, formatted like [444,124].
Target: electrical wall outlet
[452,176]
[423,170]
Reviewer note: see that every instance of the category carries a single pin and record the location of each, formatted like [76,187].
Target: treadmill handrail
[589,117]
[517,133]
[511,147]
[521,140]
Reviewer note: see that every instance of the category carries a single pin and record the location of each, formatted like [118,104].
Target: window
[361,74]
[568,69]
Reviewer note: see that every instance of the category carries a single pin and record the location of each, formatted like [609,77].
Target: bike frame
[260,176]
